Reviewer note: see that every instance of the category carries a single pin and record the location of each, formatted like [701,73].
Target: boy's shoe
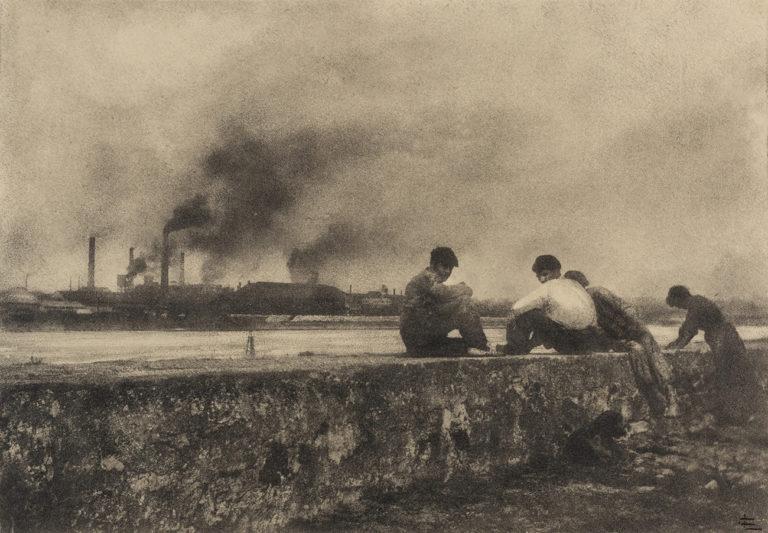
[504,349]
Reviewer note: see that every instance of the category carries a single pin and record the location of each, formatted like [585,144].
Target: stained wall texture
[242,448]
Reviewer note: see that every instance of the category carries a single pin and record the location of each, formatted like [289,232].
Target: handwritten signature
[749,523]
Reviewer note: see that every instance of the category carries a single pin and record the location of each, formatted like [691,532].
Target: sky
[626,138]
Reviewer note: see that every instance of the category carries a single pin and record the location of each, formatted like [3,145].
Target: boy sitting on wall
[433,309]
[559,314]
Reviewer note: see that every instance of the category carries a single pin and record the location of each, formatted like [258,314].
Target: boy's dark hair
[442,255]
[577,276]
[677,293]
[546,262]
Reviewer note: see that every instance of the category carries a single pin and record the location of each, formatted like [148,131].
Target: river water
[61,347]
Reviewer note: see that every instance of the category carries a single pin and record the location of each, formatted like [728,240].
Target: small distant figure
[433,309]
[250,346]
[734,378]
[559,314]
[624,331]
[596,443]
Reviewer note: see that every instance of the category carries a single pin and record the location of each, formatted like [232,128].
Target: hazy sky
[627,138]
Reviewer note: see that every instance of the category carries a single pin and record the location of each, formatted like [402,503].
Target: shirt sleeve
[619,303]
[439,292]
[630,310]
[448,292]
[689,329]
[535,300]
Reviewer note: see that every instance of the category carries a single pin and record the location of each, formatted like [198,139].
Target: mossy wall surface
[254,449]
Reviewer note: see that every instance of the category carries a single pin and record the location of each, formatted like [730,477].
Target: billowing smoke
[340,243]
[258,185]
[302,268]
[136,267]
[191,213]
[347,140]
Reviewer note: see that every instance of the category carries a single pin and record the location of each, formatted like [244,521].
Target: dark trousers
[533,328]
[737,387]
[426,333]
[651,372]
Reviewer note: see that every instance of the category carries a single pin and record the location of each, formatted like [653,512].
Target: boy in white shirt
[560,314]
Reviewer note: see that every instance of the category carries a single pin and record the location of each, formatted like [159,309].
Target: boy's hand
[465,290]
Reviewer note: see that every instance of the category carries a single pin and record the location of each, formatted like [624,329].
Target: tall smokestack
[190,214]
[127,278]
[181,268]
[92,262]
[164,260]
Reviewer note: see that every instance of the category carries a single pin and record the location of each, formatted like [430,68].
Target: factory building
[179,304]
[377,303]
[19,304]
[288,298]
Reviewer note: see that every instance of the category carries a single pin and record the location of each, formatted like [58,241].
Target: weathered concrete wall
[245,447]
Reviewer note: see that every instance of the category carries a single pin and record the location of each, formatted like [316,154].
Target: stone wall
[250,448]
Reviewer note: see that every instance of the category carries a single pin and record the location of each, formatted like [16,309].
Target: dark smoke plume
[136,267]
[301,268]
[257,180]
[192,213]
[626,137]
[340,242]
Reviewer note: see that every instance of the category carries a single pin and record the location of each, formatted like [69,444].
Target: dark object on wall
[595,443]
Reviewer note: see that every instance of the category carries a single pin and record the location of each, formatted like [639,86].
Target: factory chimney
[92,263]
[181,268]
[164,262]
[190,214]
[125,281]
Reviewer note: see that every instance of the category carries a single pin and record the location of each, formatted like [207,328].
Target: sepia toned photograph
[390,266]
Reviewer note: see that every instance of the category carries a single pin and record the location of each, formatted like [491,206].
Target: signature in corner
[749,523]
